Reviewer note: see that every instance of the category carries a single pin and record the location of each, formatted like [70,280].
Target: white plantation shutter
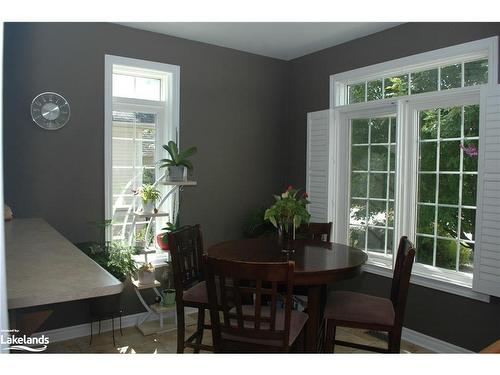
[487,249]
[319,158]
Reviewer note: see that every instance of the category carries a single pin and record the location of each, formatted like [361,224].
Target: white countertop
[44,267]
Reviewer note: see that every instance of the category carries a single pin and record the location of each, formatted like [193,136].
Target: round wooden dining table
[317,264]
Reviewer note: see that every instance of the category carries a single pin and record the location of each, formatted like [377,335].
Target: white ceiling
[282,40]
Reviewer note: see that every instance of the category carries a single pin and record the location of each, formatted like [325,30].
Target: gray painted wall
[234,106]
[458,320]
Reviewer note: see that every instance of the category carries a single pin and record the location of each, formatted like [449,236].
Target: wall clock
[50,110]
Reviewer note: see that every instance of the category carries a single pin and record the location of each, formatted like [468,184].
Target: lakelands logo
[14,341]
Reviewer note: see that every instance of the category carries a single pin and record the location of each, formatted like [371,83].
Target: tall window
[141,115]
[412,157]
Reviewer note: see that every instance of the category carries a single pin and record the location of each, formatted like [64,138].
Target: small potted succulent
[149,195]
[286,214]
[162,238]
[146,274]
[178,164]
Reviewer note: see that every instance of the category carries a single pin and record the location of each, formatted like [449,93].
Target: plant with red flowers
[289,208]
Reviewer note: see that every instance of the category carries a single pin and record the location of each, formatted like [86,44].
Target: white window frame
[168,111]
[406,109]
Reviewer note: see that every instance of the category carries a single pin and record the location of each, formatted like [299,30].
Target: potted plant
[149,195]
[117,259]
[146,273]
[286,214]
[178,163]
[162,238]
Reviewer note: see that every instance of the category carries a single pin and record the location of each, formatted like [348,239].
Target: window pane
[129,86]
[450,122]
[357,237]
[476,72]
[378,158]
[393,129]
[374,90]
[359,158]
[359,131]
[359,183]
[449,156]
[377,212]
[392,157]
[428,156]
[424,81]
[378,185]
[396,86]
[147,88]
[447,222]
[427,188]
[357,93]
[446,254]
[466,257]
[379,130]
[376,240]
[425,219]
[451,76]
[429,124]
[469,186]
[424,250]
[471,121]
[448,188]
[470,151]
[468,224]
[358,211]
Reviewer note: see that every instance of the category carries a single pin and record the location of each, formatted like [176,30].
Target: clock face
[50,110]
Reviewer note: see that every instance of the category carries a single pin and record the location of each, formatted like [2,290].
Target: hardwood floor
[133,341]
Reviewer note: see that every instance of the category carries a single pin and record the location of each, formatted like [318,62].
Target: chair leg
[395,341]
[331,329]
[181,329]
[121,333]
[200,329]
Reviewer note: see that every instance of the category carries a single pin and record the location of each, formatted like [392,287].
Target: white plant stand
[147,326]
[168,313]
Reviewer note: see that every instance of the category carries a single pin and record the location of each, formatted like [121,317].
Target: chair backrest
[315,231]
[401,278]
[186,250]
[240,290]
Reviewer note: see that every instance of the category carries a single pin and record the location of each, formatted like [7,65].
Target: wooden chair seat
[357,310]
[360,308]
[197,294]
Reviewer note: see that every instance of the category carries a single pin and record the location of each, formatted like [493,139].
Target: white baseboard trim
[431,343]
[82,330]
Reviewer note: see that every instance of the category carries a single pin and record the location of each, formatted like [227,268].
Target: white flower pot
[146,278]
[148,207]
[176,173]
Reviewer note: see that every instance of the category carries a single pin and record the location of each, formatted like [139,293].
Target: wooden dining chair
[245,327]
[315,231]
[186,249]
[357,310]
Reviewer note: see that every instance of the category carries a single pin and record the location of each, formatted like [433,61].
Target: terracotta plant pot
[161,242]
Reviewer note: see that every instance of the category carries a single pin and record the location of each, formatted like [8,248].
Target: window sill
[442,283]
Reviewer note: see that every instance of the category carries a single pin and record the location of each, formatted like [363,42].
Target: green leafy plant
[148,193]
[169,227]
[177,158]
[289,208]
[113,256]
